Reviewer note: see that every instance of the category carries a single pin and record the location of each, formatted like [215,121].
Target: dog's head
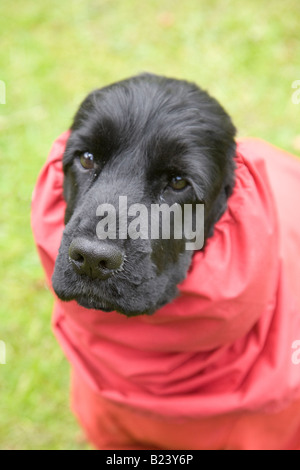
[134,146]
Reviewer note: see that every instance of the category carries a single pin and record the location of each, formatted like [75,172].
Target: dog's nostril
[77,257]
[75,254]
[103,265]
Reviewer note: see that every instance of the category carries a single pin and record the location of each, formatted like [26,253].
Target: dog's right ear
[69,196]
[69,182]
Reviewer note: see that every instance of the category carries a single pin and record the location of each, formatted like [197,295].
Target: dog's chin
[104,306]
[94,302]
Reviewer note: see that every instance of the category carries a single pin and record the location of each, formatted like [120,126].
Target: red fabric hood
[233,325]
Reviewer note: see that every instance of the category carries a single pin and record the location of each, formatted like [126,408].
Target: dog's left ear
[220,133]
[223,134]
[220,201]
[67,191]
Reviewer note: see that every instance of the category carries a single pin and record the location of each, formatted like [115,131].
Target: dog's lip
[94,303]
[105,306]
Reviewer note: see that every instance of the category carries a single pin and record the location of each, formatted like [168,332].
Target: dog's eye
[87,161]
[178,183]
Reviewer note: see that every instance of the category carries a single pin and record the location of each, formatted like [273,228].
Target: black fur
[142,132]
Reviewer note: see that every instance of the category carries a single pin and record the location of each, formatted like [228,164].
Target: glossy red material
[213,369]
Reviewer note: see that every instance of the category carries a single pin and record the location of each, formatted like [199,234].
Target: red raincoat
[217,368]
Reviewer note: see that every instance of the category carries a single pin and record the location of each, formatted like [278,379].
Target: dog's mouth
[96,304]
[105,299]
[105,306]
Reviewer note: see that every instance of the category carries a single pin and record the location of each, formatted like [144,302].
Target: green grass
[247,54]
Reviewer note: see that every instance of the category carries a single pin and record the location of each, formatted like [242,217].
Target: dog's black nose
[95,258]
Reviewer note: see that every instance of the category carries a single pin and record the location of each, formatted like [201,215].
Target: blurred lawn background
[247,54]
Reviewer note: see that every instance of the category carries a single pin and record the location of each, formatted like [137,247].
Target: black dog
[153,140]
